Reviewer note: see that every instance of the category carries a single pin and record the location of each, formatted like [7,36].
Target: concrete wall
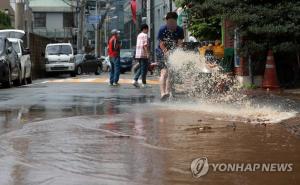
[54,21]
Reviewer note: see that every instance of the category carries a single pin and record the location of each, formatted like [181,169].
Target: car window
[126,54]
[78,57]
[53,50]
[66,50]
[2,45]
[59,50]
[22,46]
[16,47]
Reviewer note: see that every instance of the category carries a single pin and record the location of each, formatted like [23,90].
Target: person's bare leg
[168,85]
[163,79]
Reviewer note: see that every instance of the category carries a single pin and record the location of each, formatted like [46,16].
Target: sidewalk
[293,91]
[281,92]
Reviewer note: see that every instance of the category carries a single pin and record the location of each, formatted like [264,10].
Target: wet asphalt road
[73,132]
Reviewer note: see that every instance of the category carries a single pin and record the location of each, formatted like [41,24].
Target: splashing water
[193,76]
[216,92]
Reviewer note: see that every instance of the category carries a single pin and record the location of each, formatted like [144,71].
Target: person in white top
[142,55]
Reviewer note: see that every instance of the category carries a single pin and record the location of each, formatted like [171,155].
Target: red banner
[133,10]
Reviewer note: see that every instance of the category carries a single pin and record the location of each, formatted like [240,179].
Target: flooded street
[64,133]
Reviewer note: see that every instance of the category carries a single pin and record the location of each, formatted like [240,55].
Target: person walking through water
[114,47]
[170,37]
[142,55]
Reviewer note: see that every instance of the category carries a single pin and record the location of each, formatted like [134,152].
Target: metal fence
[37,47]
[66,33]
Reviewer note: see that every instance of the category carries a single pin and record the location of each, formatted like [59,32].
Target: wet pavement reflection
[12,118]
[152,146]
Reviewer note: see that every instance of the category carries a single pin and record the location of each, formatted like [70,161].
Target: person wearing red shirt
[114,46]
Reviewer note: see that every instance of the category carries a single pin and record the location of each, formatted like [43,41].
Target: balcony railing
[55,33]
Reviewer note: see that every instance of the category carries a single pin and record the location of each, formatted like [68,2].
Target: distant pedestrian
[114,47]
[142,55]
[170,37]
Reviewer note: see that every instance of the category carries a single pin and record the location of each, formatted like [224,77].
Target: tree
[203,24]
[5,22]
[262,24]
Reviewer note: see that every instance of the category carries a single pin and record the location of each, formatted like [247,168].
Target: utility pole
[130,35]
[77,10]
[19,15]
[171,5]
[152,27]
[96,32]
[98,39]
[81,8]
[28,23]
[105,33]
[138,17]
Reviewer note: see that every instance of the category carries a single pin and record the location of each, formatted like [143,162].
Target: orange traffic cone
[270,80]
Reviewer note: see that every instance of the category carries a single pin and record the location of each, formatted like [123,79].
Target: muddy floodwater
[136,141]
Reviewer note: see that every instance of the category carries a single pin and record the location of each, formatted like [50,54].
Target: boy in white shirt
[142,55]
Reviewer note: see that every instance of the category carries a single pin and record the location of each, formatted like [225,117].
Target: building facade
[156,12]
[118,13]
[129,40]
[54,19]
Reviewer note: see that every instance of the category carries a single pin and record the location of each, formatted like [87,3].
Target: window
[59,50]
[2,45]
[22,46]
[68,20]
[16,47]
[39,20]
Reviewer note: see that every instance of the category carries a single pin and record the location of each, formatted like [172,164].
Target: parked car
[15,37]
[60,58]
[10,65]
[105,63]
[86,63]
[127,57]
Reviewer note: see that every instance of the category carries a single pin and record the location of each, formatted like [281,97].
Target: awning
[17,34]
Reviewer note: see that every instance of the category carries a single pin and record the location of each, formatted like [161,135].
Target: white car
[60,58]
[15,37]
[105,63]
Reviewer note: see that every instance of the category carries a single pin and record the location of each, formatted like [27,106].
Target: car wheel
[79,70]
[99,70]
[18,81]
[8,83]
[73,74]
[24,81]
[29,79]
[47,74]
